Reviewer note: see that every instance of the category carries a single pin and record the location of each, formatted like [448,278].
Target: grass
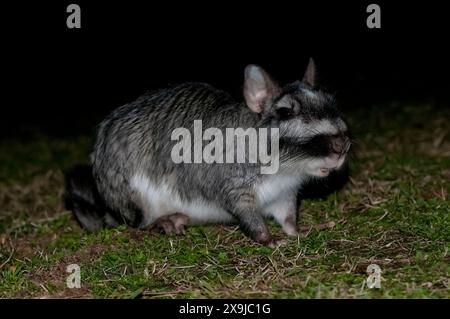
[395,213]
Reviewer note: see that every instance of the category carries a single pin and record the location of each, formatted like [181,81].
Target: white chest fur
[276,187]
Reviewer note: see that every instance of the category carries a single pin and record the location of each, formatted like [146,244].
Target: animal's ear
[259,88]
[310,75]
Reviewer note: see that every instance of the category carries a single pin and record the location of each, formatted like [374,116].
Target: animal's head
[313,135]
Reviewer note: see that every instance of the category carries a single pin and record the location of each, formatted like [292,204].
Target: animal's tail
[84,200]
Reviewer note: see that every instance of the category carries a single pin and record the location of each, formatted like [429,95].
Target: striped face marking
[312,116]
[297,128]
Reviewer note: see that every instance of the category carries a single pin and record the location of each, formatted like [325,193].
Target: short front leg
[243,207]
[253,225]
[284,211]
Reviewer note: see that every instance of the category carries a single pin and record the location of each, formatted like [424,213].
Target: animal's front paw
[274,243]
[266,239]
[290,230]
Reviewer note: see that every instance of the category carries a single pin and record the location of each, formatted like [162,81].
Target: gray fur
[136,138]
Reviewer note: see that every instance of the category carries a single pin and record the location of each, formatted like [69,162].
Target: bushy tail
[83,199]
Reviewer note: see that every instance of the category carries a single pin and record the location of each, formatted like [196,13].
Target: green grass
[395,213]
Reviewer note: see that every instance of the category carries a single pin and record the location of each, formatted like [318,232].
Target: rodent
[134,180]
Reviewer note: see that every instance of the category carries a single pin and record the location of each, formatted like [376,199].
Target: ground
[395,213]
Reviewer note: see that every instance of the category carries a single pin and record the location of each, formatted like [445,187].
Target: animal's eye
[285,112]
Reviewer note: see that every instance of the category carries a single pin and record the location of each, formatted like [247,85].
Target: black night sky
[62,82]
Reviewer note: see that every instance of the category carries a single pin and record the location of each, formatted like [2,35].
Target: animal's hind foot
[171,224]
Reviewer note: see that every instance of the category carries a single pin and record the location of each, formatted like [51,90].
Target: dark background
[63,82]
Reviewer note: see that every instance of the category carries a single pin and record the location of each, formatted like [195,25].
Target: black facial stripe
[315,146]
[285,113]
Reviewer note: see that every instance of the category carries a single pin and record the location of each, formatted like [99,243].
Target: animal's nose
[340,144]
